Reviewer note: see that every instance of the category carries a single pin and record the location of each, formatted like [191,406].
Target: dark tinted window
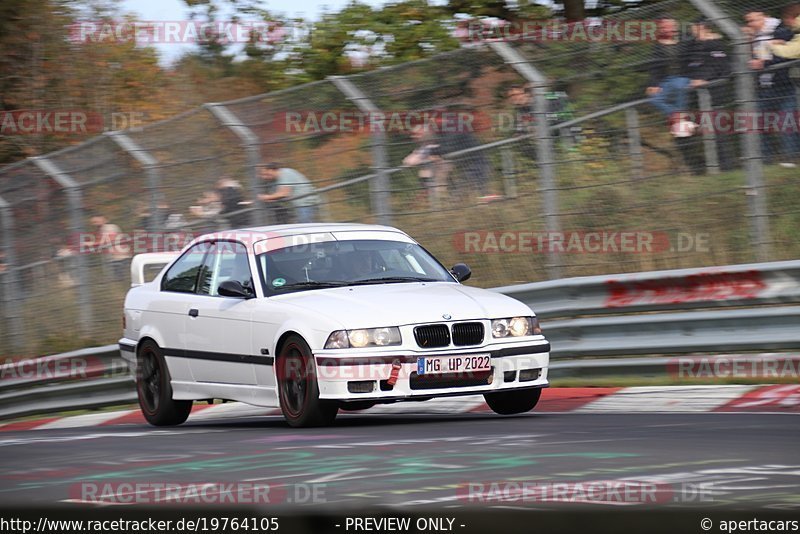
[347,262]
[182,276]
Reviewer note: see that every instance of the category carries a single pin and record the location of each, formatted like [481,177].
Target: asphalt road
[440,462]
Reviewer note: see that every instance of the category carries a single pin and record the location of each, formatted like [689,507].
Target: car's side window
[183,274]
[209,271]
[226,261]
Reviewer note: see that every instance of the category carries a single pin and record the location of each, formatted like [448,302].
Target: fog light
[361,386]
[528,375]
[509,376]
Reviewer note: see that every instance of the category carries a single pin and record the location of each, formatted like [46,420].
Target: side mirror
[232,288]
[461,271]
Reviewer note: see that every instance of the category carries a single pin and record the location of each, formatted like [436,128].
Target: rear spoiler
[141,261]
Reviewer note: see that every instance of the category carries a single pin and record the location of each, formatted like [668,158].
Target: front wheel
[514,401]
[298,390]
[155,391]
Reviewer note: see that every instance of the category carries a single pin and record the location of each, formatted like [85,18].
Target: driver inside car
[359,264]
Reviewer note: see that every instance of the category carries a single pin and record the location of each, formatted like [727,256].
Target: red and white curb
[672,399]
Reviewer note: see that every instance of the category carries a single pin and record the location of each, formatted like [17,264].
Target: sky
[176,10]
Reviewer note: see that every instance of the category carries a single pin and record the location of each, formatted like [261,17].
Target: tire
[154,389]
[298,390]
[514,401]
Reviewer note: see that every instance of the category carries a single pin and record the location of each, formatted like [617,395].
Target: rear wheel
[298,390]
[514,401]
[154,389]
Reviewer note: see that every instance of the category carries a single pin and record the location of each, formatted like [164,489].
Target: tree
[574,10]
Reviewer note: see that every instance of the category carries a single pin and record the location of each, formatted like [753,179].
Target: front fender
[315,338]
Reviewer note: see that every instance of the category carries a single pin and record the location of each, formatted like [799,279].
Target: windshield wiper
[392,279]
[312,284]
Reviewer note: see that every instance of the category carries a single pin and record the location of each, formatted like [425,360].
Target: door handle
[193,312]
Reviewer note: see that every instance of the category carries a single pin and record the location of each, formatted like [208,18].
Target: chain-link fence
[526,158]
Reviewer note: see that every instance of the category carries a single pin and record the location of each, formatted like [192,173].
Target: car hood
[405,303]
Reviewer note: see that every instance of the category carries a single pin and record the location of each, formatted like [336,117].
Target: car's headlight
[515,327]
[364,337]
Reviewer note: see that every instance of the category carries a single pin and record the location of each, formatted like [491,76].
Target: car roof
[313,228]
[253,234]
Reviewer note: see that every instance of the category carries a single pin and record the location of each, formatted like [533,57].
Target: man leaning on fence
[791,50]
[669,83]
[292,195]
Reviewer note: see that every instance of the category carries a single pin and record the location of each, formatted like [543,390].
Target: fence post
[75,202]
[250,144]
[709,138]
[545,153]
[379,187]
[509,172]
[10,277]
[751,147]
[634,143]
[150,166]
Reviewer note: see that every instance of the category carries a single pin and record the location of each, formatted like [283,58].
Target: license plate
[438,365]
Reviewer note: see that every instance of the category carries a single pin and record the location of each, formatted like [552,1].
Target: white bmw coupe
[315,318]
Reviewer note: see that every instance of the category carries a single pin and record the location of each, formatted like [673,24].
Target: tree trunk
[574,10]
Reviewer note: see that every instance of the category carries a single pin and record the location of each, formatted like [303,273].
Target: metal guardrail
[82,379]
[738,308]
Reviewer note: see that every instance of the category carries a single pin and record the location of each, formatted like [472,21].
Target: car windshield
[347,263]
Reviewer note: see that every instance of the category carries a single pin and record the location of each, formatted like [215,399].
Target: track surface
[405,461]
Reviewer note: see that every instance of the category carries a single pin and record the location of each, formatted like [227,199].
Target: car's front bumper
[513,366]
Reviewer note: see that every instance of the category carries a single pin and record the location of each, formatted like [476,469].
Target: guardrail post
[250,144]
[634,143]
[751,146]
[75,202]
[150,165]
[379,187]
[10,277]
[545,153]
[709,137]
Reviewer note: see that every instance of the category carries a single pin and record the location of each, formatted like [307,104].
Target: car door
[168,310]
[219,329]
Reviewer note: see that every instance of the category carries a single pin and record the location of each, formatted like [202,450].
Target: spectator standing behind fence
[107,240]
[287,185]
[434,170]
[791,50]
[471,171]
[709,61]
[222,204]
[231,197]
[775,89]
[669,85]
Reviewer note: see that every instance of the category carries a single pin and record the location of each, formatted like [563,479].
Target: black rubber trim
[219,356]
[331,361]
[127,348]
[516,351]
[423,397]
